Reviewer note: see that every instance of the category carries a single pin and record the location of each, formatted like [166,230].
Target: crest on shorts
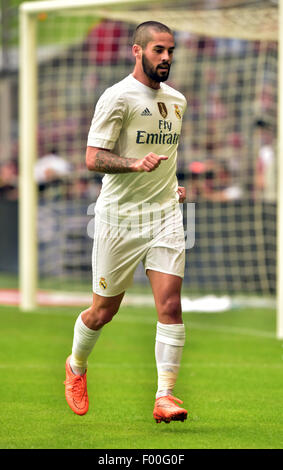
[162,109]
[177,111]
[103,283]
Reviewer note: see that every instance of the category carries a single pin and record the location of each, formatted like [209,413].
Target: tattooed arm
[104,161]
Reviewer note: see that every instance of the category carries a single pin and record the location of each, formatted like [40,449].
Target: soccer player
[133,140]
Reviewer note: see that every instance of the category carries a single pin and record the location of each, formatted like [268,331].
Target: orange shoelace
[77,386]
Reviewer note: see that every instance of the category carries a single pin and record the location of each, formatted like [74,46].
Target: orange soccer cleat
[76,390]
[166,410]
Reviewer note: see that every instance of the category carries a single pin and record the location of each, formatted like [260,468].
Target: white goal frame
[28,275]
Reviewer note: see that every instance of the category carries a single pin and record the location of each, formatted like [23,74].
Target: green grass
[230,381]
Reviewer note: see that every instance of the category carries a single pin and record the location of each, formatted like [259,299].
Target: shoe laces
[174,399]
[171,398]
[78,387]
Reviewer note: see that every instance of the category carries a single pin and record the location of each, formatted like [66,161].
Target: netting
[226,65]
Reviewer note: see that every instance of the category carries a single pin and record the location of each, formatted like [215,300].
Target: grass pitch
[230,381]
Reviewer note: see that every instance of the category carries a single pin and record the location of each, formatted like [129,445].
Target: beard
[158,74]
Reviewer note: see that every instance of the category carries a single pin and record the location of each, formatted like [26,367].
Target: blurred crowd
[219,180]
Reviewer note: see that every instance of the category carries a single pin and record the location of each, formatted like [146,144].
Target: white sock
[169,343]
[83,343]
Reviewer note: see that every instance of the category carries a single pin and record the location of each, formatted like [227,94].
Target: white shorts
[117,253]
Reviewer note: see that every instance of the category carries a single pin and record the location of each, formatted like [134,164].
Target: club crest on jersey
[162,109]
[177,111]
[103,283]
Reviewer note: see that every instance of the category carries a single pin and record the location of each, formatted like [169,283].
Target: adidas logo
[146,112]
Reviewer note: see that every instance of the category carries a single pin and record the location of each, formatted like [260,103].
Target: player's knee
[104,315]
[101,316]
[171,308]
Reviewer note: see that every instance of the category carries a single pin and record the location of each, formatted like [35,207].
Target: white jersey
[132,119]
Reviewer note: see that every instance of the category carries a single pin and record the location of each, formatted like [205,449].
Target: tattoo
[107,162]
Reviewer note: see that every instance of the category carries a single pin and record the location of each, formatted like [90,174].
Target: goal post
[27,158]
[259,25]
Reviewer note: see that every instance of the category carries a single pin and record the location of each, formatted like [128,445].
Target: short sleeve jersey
[132,119]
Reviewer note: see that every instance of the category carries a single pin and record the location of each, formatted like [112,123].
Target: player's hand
[148,163]
[181,191]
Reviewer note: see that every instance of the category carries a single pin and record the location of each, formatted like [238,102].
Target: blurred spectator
[265,171]
[196,181]
[267,98]
[221,188]
[50,169]
[212,181]
[106,43]
[234,151]
[9,181]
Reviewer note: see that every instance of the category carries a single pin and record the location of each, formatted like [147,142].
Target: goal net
[226,65]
